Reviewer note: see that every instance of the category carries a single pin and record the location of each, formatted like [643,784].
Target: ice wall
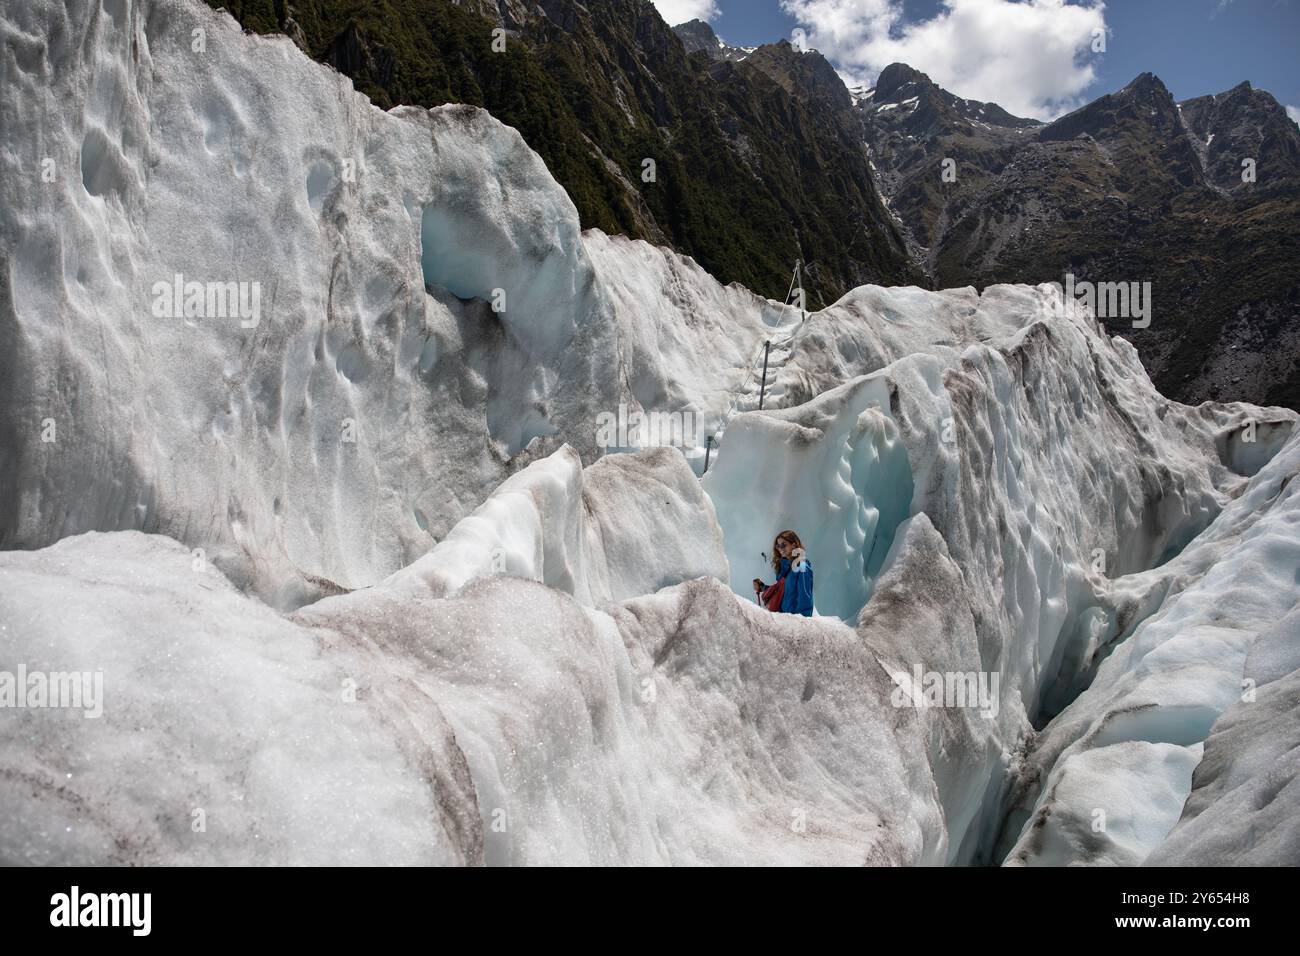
[836,472]
[378,395]
[1211,660]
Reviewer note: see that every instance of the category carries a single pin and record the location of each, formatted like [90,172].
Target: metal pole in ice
[763,387]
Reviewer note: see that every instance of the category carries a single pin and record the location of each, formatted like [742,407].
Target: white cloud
[1032,57]
[1294,113]
[679,11]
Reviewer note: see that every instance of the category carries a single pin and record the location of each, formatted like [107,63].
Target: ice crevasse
[461,634]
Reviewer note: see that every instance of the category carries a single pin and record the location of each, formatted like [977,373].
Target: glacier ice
[1197,661]
[362,567]
[510,724]
[225,738]
[626,525]
[379,368]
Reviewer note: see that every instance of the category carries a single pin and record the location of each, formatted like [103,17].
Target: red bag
[772,596]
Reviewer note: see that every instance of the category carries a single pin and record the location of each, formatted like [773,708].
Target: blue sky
[1035,56]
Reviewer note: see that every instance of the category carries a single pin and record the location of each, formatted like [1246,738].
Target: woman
[793,591]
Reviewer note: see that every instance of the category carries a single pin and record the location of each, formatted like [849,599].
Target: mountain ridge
[1133,186]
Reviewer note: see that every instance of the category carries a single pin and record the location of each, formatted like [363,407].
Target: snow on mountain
[494,645]
[861,93]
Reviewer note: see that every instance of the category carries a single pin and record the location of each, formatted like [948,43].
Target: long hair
[794,541]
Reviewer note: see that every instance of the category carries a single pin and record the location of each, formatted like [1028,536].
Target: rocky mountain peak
[899,78]
[1144,103]
[807,74]
[697,35]
[938,108]
[1241,123]
[1147,90]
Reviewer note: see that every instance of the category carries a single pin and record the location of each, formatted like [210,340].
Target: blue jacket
[798,596]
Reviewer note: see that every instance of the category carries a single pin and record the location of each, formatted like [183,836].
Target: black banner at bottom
[337,907]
